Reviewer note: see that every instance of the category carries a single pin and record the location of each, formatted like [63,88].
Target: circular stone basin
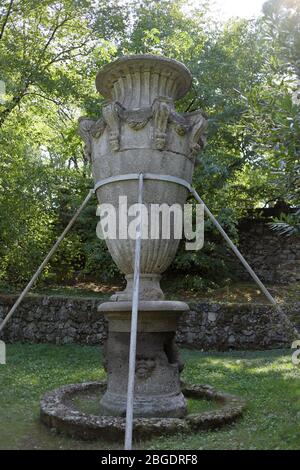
[72,410]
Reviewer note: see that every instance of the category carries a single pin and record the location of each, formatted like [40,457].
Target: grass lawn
[239,292]
[267,379]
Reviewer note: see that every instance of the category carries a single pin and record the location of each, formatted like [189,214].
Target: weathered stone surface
[237,326]
[157,383]
[59,413]
[273,257]
[140,132]
[42,319]
[143,133]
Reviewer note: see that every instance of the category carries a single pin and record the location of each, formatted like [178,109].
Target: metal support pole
[134,321]
[51,252]
[180,181]
[234,248]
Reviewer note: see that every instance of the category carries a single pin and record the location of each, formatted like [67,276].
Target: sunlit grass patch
[266,379]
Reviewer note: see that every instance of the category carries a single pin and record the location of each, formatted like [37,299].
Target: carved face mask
[144,366]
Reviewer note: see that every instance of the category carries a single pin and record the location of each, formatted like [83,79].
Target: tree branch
[14,102]
[59,25]
[63,55]
[6,18]
[28,81]
[58,103]
[52,100]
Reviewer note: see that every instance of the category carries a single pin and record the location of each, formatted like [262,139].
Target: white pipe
[134,321]
[234,248]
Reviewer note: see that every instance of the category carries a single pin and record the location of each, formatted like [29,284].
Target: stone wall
[208,326]
[60,320]
[274,258]
[224,326]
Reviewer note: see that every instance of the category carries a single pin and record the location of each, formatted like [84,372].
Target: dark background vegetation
[246,79]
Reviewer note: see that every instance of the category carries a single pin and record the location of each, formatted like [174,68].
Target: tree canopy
[246,79]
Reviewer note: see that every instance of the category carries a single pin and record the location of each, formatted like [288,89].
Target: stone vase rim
[109,73]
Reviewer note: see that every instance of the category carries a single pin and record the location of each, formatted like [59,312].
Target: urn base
[172,406]
[149,288]
[158,365]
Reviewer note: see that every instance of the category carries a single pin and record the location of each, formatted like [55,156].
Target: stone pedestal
[157,381]
[140,131]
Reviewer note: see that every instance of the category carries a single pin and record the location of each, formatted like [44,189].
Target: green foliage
[212,265]
[246,79]
[287,224]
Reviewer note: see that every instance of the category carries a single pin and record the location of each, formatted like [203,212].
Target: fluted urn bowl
[140,132]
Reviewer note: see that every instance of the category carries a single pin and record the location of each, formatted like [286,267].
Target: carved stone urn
[141,132]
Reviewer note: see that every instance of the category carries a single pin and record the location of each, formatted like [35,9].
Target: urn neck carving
[136,81]
[140,92]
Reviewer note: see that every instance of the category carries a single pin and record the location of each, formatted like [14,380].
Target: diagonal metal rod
[234,249]
[134,322]
[41,267]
